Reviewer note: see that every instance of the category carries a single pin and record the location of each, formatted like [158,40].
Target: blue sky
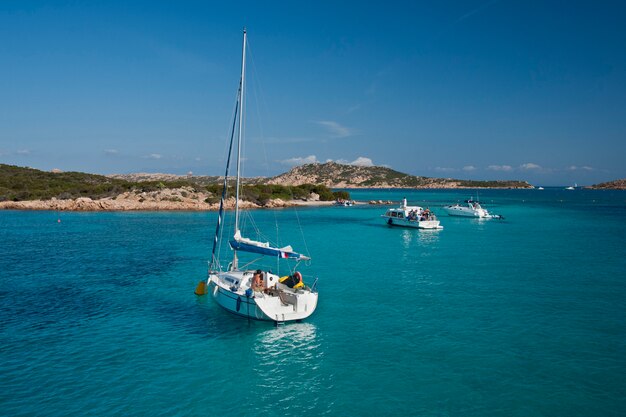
[467,89]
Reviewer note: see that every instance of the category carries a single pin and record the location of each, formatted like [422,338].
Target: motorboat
[470,208]
[343,203]
[411,216]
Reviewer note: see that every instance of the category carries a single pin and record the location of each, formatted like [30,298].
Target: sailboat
[245,290]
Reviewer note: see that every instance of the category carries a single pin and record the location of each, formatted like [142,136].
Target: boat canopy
[264,248]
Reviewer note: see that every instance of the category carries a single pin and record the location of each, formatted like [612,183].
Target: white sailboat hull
[281,306]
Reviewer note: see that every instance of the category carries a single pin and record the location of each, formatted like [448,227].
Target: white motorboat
[248,291]
[570,188]
[540,188]
[470,208]
[411,216]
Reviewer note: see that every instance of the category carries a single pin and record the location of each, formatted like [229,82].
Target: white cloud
[530,165]
[23,152]
[362,161]
[445,169]
[584,168]
[311,159]
[336,130]
[111,151]
[500,168]
[153,156]
[469,168]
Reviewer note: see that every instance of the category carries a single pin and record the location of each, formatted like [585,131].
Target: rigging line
[260,99]
[306,247]
[220,215]
[243,143]
[259,96]
[225,189]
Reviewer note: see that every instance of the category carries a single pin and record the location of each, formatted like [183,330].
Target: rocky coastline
[178,199]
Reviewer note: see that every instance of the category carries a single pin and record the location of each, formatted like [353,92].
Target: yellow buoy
[201,288]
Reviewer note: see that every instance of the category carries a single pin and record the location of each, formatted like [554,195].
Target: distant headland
[610,185]
[335,175]
[28,188]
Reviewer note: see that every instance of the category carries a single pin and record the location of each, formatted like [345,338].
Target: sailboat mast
[241,116]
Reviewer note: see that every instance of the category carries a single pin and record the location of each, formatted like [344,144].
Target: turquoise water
[520,317]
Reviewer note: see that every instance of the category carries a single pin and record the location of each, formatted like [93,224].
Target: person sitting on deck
[257,281]
[292,281]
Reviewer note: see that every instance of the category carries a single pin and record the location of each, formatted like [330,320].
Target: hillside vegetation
[24,184]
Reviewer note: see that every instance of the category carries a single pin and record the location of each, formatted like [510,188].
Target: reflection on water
[274,342]
[407,236]
[287,363]
[428,237]
[423,237]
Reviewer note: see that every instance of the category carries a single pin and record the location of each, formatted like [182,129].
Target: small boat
[411,216]
[471,208]
[570,188]
[540,188]
[343,203]
[254,292]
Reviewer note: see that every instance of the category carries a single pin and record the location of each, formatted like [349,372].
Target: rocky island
[610,185]
[27,188]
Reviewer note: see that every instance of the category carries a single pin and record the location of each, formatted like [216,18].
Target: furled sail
[264,248]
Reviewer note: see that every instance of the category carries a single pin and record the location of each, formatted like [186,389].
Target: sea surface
[524,316]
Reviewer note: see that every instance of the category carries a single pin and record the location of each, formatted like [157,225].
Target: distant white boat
[344,203]
[540,188]
[572,188]
[411,216]
[471,208]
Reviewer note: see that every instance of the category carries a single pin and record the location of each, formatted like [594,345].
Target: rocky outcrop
[611,185]
[183,199]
